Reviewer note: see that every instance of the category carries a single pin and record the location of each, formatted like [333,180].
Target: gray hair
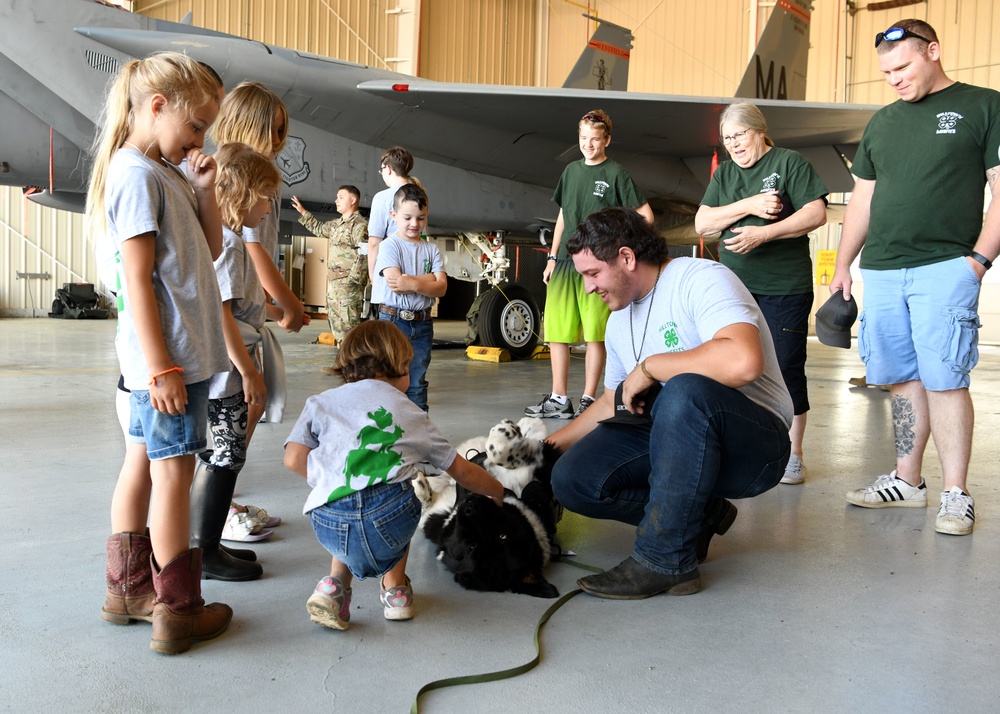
[748,115]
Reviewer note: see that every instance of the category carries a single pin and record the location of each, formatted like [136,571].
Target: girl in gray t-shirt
[254,115]
[164,231]
[358,446]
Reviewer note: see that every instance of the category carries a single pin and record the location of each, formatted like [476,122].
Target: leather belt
[408,315]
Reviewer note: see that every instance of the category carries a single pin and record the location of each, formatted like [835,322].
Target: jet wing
[528,133]
[515,141]
[521,134]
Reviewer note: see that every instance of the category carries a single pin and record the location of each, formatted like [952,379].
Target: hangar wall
[682,48]
[703,48]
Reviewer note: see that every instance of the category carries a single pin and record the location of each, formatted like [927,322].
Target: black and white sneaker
[889,491]
[957,514]
[585,402]
[549,408]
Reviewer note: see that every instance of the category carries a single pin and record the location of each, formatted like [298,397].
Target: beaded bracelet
[152,377]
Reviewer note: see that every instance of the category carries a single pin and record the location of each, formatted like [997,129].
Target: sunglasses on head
[895,34]
[592,118]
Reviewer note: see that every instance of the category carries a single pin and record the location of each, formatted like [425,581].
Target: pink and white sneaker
[397,602]
[330,604]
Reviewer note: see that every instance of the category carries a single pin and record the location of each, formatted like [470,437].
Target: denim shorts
[369,531]
[921,323]
[167,436]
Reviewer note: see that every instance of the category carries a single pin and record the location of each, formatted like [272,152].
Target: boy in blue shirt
[414,276]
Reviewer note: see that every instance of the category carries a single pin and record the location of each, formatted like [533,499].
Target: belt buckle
[407,315]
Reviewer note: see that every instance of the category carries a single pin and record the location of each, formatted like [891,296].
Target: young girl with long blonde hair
[165,231]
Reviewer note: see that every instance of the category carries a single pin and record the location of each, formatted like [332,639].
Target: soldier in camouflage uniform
[347,269]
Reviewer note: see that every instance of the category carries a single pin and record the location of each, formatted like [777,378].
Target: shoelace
[884,481]
[955,505]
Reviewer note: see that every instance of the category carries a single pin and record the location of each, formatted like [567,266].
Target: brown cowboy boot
[130,581]
[180,616]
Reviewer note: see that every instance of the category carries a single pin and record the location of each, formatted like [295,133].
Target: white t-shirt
[420,258]
[693,300]
[365,433]
[146,196]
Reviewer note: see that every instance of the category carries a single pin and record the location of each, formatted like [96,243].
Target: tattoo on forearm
[903,423]
[991,176]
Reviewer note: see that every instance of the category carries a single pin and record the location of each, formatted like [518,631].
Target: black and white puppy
[497,549]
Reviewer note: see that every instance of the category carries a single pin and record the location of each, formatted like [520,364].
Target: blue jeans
[706,441]
[369,531]
[421,336]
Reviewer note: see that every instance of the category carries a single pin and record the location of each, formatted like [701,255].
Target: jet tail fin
[778,67]
[604,61]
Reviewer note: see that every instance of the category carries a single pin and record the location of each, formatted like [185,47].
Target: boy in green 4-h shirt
[586,186]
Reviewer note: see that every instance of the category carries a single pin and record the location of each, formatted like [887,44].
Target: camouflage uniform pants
[344,301]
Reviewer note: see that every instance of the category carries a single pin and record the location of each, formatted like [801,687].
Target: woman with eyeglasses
[764,203]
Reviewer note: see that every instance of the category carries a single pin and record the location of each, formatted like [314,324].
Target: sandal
[258,515]
[242,527]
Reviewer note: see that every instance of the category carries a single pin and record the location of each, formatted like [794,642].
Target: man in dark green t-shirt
[917,209]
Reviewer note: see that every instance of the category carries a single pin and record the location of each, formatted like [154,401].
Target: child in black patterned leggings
[245,185]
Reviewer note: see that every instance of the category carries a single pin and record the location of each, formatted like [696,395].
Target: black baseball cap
[834,320]
[624,416]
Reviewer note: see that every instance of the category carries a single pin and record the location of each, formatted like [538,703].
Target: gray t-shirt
[421,258]
[239,283]
[381,225]
[146,196]
[365,433]
[694,299]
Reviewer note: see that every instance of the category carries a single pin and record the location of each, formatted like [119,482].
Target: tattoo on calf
[903,423]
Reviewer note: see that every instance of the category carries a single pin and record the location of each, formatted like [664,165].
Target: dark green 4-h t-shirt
[779,267]
[584,189]
[929,161]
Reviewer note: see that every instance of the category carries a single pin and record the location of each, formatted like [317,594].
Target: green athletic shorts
[568,308]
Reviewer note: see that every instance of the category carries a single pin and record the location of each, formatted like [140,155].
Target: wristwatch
[979,258]
[552,257]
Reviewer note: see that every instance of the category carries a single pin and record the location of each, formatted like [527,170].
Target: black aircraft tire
[509,318]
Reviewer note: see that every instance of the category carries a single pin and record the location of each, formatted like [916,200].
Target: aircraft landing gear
[509,318]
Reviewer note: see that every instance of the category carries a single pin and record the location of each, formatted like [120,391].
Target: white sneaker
[795,472]
[957,514]
[890,491]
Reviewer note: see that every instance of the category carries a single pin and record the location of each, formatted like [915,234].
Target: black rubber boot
[211,498]
[241,553]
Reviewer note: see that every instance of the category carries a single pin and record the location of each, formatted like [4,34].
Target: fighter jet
[489,156]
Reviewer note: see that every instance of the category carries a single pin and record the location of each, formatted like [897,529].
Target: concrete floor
[810,605]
